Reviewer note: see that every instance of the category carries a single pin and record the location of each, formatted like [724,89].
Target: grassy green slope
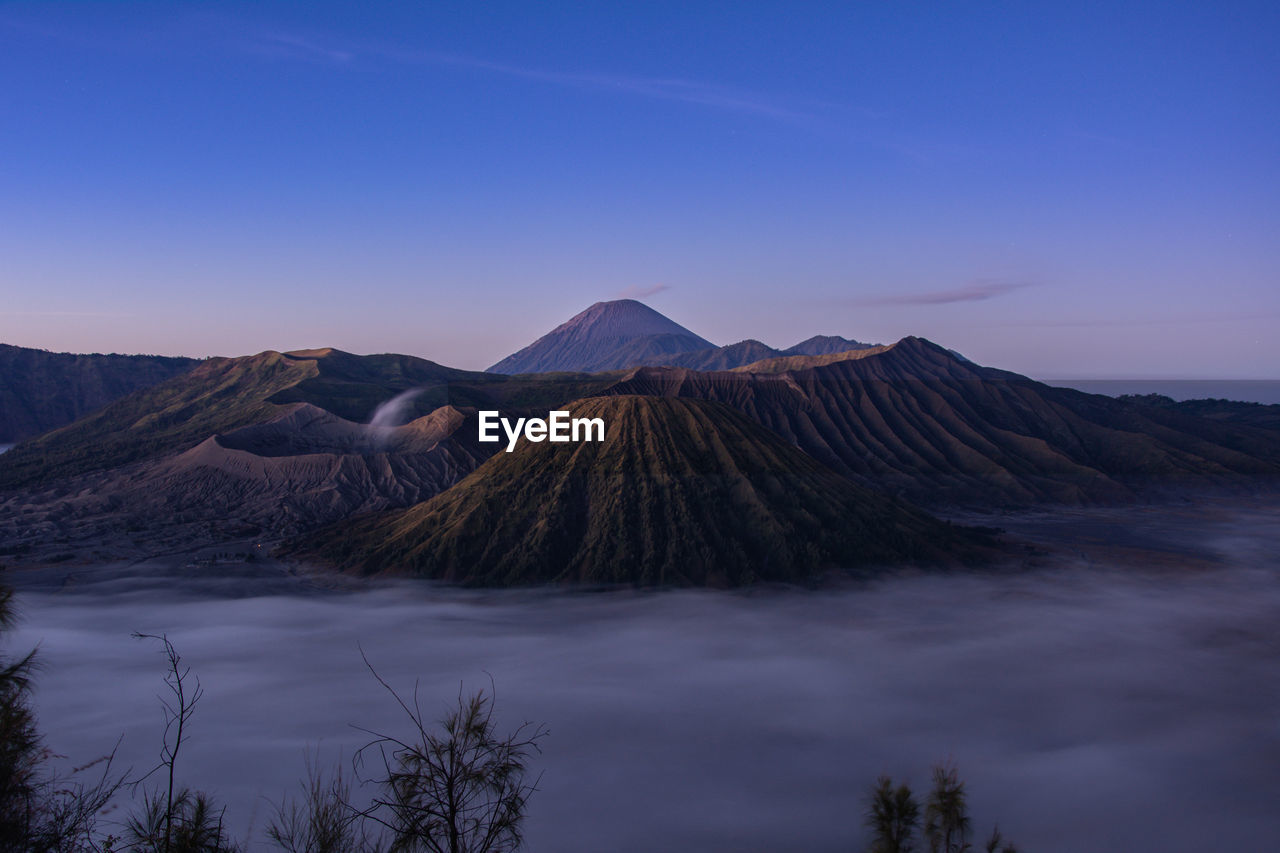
[352,386]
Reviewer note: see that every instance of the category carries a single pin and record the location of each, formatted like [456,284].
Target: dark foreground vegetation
[898,823]
[460,787]
[456,786]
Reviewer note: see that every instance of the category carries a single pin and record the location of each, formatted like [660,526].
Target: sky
[1064,190]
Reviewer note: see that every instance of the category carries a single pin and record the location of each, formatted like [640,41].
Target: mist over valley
[1107,701]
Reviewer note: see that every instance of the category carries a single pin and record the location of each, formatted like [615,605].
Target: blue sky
[1086,190]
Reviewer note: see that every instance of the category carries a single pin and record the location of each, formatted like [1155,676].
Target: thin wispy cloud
[296,46]
[701,93]
[288,46]
[641,292]
[661,88]
[978,291]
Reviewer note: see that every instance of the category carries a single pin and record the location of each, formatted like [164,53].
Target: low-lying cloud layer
[1089,709]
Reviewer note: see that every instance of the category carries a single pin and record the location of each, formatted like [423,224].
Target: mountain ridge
[278,443]
[913,419]
[220,395]
[825,345]
[42,390]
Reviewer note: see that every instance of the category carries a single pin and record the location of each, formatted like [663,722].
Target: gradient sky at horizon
[1089,190]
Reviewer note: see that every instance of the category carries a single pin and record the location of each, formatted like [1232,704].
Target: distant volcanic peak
[680,492]
[749,348]
[623,319]
[722,358]
[606,336]
[825,345]
[911,357]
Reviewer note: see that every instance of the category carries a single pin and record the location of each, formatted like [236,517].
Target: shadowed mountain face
[680,492]
[915,420]
[1261,415]
[606,336]
[40,391]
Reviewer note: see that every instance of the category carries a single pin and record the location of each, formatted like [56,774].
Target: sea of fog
[1089,707]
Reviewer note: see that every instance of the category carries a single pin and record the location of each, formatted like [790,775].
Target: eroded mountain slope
[682,492]
[914,419]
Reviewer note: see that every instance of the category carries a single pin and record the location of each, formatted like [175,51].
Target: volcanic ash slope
[680,492]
